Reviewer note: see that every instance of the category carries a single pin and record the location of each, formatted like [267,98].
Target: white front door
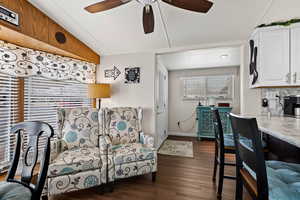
[161,104]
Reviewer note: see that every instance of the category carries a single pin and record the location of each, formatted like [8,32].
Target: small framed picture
[132,75]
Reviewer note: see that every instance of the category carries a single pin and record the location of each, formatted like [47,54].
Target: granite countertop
[284,128]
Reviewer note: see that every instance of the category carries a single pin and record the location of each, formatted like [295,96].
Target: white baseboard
[175,133]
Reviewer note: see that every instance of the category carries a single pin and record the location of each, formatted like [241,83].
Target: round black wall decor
[60,37]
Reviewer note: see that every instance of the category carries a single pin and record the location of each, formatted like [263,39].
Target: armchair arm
[106,153]
[57,146]
[147,140]
[105,145]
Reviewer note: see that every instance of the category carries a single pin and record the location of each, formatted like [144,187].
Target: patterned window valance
[23,62]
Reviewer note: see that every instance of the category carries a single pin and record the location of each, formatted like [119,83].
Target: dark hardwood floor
[178,178]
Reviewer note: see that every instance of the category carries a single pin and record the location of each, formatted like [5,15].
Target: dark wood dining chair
[23,188]
[271,180]
[222,148]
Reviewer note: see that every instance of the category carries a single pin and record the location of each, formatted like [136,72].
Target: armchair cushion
[124,125]
[80,127]
[74,161]
[74,182]
[131,153]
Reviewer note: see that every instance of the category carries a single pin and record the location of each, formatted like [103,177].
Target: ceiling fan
[202,6]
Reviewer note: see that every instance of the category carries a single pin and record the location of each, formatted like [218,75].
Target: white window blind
[8,117]
[203,87]
[43,97]
[194,88]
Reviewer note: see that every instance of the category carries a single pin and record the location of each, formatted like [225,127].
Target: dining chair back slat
[220,151]
[34,131]
[249,153]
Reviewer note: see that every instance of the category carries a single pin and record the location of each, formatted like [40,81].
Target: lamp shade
[99,90]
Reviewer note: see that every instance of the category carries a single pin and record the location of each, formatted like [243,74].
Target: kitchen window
[220,87]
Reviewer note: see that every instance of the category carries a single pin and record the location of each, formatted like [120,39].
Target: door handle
[295,77]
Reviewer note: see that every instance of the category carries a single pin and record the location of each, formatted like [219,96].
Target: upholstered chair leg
[101,189]
[109,187]
[153,176]
[45,197]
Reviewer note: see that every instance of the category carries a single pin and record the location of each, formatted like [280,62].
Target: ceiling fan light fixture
[148,19]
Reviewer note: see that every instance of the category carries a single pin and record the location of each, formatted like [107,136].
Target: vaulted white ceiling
[120,30]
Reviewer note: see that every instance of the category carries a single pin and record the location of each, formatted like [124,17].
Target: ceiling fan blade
[202,6]
[148,19]
[105,5]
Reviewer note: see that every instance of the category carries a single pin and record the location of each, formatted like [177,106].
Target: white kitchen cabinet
[273,62]
[295,54]
[278,59]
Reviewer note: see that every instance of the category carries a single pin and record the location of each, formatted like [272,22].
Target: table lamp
[98,91]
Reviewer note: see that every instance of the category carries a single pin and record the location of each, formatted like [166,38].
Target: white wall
[133,95]
[250,98]
[180,110]
[282,10]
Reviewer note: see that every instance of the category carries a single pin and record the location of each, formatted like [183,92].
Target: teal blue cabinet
[205,121]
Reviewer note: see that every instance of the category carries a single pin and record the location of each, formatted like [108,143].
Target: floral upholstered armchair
[76,161]
[130,151]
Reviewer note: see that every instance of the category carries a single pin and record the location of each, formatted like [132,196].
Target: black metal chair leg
[153,176]
[239,187]
[221,179]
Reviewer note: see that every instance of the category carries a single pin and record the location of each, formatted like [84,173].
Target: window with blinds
[43,97]
[202,87]
[8,117]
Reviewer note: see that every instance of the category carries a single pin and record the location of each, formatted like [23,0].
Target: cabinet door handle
[288,77]
[295,77]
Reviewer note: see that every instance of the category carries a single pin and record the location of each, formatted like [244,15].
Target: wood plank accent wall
[20,39]
[37,25]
